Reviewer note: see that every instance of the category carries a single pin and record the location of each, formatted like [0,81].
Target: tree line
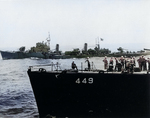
[91,52]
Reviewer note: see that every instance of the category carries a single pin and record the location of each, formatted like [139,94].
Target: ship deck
[85,71]
[55,68]
[95,93]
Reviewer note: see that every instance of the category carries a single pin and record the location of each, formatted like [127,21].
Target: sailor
[105,63]
[111,61]
[143,63]
[74,66]
[134,61]
[125,61]
[132,64]
[140,62]
[111,64]
[116,66]
[145,67]
[127,65]
[148,61]
[122,61]
[89,66]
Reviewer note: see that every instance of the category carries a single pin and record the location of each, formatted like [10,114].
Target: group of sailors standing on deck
[127,64]
[121,64]
[143,63]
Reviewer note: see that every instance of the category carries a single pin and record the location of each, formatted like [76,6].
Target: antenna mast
[48,40]
[98,44]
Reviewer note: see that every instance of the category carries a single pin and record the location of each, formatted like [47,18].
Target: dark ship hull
[56,56]
[20,55]
[91,94]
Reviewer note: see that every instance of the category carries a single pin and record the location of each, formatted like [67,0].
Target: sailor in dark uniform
[125,62]
[122,61]
[140,63]
[127,65]
[89,66]
[111,61]
[143,63]
[74,66]
[117,63]
[111,64]
[132,64]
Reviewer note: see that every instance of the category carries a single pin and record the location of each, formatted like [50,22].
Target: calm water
[16,95]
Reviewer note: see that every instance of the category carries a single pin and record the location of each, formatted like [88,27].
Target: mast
[98,44]
[48,40]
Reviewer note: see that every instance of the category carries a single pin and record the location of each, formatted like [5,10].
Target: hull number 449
[84,81]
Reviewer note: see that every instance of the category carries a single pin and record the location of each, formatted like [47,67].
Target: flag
[101,39]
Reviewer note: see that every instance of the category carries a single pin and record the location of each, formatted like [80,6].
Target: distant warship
[42,50]
[20,54]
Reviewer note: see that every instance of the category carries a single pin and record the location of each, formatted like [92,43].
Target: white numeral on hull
[84,81]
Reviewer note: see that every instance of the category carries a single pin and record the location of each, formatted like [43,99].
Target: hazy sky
[71,23]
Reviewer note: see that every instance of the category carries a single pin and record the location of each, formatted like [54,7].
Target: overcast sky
[71,23]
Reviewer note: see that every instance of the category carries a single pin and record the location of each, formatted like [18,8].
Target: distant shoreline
[110,55]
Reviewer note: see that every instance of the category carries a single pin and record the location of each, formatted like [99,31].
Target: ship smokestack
[57,48]
[85,47]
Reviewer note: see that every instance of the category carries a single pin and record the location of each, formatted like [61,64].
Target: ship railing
[53,67]
[56,67]
[92,68]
